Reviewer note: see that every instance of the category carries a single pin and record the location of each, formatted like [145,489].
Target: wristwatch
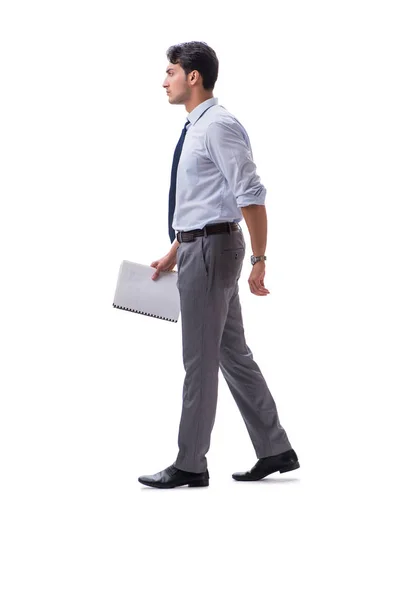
[255,259]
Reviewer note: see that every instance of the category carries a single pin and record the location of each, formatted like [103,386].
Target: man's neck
[191,105]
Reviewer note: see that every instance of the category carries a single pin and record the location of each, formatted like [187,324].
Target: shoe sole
[292,467]
[166,487]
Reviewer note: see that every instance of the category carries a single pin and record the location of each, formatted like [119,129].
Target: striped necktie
[172,190]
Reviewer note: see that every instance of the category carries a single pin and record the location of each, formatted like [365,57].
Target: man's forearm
[174,247]
[255,216]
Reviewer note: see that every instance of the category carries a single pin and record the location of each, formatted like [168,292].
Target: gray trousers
[213,338]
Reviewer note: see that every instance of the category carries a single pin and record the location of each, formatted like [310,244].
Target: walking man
[214,185]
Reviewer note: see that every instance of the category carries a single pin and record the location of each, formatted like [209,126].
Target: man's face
[175,84]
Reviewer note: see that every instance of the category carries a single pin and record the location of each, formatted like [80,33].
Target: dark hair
[196,55]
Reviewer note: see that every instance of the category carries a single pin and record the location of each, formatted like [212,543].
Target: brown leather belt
[189,236]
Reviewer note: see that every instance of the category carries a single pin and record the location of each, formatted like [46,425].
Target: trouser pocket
[230,264]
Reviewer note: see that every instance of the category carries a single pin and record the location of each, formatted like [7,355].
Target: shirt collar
[196,113]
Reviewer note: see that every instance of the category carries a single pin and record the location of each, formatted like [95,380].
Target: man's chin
[174,100]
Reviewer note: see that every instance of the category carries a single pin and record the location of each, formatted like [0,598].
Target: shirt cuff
[249,199]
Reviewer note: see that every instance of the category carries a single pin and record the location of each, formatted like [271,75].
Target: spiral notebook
[138,292]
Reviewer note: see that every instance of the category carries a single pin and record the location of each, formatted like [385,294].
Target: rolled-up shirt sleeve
[228,149]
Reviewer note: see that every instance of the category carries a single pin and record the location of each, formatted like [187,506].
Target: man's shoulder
[220,117]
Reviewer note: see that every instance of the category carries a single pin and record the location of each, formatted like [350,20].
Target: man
[214,185]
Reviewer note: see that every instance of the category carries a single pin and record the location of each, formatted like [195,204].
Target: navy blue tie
[172,189]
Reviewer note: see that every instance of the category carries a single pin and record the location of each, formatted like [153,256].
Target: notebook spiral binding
[144,313]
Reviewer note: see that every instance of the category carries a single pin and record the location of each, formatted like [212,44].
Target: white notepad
[138,292]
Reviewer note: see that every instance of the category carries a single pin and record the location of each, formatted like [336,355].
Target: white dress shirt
[216,173]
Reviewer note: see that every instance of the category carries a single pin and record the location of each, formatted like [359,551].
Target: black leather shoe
[286,461]
[172,477]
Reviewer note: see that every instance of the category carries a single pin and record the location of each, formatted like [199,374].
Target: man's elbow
[253,207]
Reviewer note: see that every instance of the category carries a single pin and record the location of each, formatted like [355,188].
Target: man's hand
[166,263]
[256,279]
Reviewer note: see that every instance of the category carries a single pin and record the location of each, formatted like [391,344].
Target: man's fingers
[254,288]
[258,290]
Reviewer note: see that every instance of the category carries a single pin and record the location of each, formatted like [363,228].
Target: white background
[91,396]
